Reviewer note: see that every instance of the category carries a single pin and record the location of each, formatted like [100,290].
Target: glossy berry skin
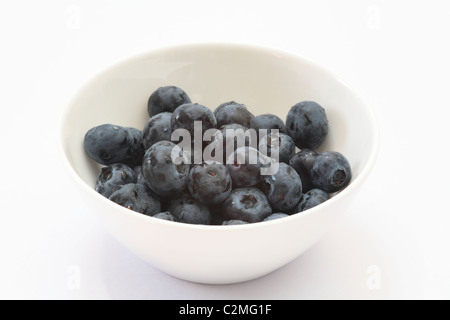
[188,210]
[166,99]
[302,163]
[331,171]
[185,115]
[310,199]
[284,149]
[209,183]
[276,215]
[246,204]
[166,215]
[243,172]
[283,189]
[138,198]
[107,144]
[216,111]
[307,124]
[157,129]
[236,113]
[114,176]
[270,121]
[233,222]
[163,176]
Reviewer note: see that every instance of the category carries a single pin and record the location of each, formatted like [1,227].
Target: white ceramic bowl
[266,80]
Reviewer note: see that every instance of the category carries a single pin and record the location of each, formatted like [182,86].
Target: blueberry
[307,124]
[244,167]
[112,177]
[233,222]
[188,210]
[331,171]
[312,198]
[107,144]
[302,163]
[138,198]
[236,113]
[185,116]
[209,183]
[166,215]
[232,136]
[275,216]
[166,99]
[157,129]
[270,121]
[163,176]
[283,189]
[281,151]
[216,111]
[246,204]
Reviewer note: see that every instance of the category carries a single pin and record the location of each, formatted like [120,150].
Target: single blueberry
[246,204]
[112,177]
[166,215]
[164,177]
[209,183]
[236,113]
[185,116]
[281,150]
[307,124]
[276,215]
[331,171]
[233,222]
[244,166]
[283,189]
[188,210]
[107,144]
[216,111]
[157,129]
[138,198]
[310,199]
[166,99]
[270,121]
[302,163]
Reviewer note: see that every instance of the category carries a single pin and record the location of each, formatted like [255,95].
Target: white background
[396,53]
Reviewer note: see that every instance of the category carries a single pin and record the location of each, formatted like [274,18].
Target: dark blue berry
[281,151]
[283,189]
[331,171]
[209,183]
[310,199]
[166,99]
[157,129]
[276,215]
[185,115]
[270,121]
[163,176]
[107,144]
[246,204]
[233,222]
[302,163]
[138,198]
[244,167]
[166,215]
[236,113]
[307,124]
[216,111]
[112,177]
[188,210]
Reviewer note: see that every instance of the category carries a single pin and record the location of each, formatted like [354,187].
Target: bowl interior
[266,80]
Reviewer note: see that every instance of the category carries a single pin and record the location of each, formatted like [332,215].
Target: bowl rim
[261,49]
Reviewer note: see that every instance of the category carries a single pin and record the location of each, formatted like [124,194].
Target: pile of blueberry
[139,171]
